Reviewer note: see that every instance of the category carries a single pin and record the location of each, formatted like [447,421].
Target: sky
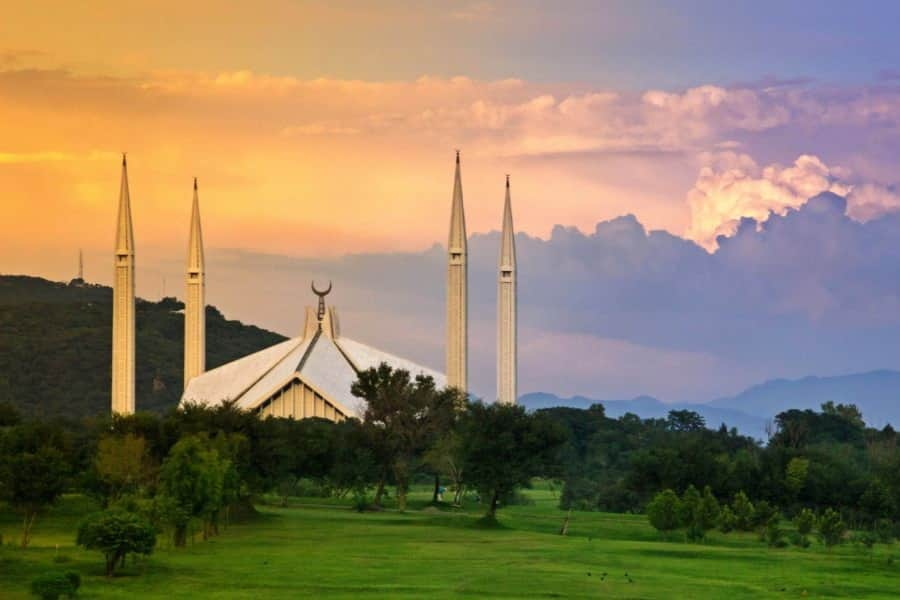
[662,157]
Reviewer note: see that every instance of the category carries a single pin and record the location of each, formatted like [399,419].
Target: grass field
[319,548]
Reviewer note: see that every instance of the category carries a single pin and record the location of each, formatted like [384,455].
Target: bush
[743,512]
[831,528]
[805,521]
[866,539]
[885,530]
[799,540]
[774,534]
[763,512]
[664,511]
[726,519]
[116,533]
[51,586]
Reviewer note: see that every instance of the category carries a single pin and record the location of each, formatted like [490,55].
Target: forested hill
[56,340]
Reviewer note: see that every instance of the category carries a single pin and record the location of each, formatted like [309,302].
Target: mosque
[309,375]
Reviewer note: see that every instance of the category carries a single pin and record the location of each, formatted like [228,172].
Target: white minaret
[195,299]
[457,291]
[123,306]
[507,369]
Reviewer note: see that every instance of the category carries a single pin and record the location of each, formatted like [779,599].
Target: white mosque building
[309,375]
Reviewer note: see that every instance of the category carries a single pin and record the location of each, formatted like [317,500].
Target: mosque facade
[309,375]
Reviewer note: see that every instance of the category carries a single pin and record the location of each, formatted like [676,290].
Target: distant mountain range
[876,393]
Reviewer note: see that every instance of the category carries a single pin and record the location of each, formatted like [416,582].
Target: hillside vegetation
[56,345]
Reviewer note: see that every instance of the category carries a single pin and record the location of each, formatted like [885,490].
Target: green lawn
[317,548]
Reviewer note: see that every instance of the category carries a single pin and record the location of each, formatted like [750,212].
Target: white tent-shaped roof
[302,377]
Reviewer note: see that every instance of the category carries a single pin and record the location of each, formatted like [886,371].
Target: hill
[876,394]
[55,347]
[648,407]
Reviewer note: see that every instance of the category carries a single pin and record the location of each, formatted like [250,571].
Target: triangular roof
[325,364]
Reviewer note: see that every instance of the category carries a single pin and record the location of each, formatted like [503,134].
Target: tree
[795,475]
[726,519]
[708,510]
[445,456]
[400,412]
[664,511]
[31,481]
[831,528]
[742,509]
[121,464]
[116,533]
[804,521]
[688,512]
[191,483]
[504,448]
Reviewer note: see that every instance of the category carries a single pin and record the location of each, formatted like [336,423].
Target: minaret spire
[123,356]
[457,290]
[80,264]
[195,298]
[507,366]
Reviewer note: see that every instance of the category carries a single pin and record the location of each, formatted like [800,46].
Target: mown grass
[322,548]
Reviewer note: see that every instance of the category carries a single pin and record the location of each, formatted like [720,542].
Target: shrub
[799,540]
[664,510]
[831,528]
[116,533]
[774,534]
[805,521]
[763,512]
[50,586]
[743,512]
[866,539]
[726,519]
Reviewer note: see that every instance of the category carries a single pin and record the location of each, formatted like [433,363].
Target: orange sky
[293,155]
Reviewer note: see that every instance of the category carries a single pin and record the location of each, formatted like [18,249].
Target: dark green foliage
[743,511]
[664,511]
[33,469]
[774,534]
[55,347]
[763,512]
[504,448]
[402,414]
[726,519]
[804,521]
[50,586]
[831,527]
[116,534]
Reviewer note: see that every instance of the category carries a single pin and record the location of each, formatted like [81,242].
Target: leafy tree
[742,509]
[804,521]
[445,456]
[400,413]
[504,448]
[191,482]
[774,534]
[831,528]
[31,481]
[116,533]
[726,519]
[121,464]
[664,511]
[795,475]
[707,511]
[763,512]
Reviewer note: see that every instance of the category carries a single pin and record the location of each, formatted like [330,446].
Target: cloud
[731,187]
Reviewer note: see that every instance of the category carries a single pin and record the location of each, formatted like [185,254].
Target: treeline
[55,347]
[187,470]
[817,460]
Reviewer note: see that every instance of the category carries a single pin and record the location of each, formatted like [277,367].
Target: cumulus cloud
[731,187]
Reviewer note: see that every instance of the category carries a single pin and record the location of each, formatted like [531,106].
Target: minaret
[195,299]
[507,371]
[80,265]
[457,291]
[123,306]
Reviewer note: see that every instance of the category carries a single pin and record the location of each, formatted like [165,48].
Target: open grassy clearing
[319,547]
